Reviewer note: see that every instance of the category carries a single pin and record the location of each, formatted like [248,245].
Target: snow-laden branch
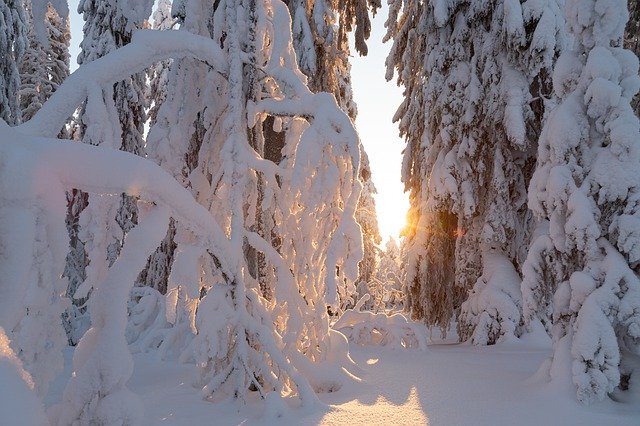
[147,47]
[96,392]
[105,171]
[315,189]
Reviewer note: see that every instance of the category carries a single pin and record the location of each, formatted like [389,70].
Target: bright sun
[392,206]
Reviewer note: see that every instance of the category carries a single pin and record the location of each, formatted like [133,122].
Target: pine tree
[13,45]
[476,77]
[586,185]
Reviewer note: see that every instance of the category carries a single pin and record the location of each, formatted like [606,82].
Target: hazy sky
[377,101]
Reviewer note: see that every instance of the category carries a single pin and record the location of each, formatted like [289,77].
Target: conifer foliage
[243,341]
[37,335]
[320,33]
[632,41]
[13,42]
[58,37]
[476,76]
[45,63]
[233,232]
[108,25]
[586,186]
[35,87]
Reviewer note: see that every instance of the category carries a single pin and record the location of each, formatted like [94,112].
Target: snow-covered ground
[450,384]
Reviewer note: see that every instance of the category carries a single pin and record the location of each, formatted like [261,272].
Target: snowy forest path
[461,384]
[450,384]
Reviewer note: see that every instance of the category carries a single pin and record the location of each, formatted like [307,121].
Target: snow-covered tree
[59,36]
[367,218]
[34,77]
[39,10]
[183,140]
[368,328]
[586,186]
[13,45]
[156,274]
[319,240]
[273,346]
[45,63]
[108,25]
[632,41]
[320,34]
[38,336]
[159,73]
[476,83]
[389,276]
[320,37]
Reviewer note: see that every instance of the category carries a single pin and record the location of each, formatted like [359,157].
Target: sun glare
[392,213]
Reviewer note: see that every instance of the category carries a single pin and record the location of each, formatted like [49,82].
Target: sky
[377,101]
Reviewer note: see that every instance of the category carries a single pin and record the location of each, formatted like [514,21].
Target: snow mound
[368,328]
[493,311]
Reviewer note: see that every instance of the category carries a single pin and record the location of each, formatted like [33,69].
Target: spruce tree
[108,26]
[320,33]
[35,87]
[13,43]
[632,41]
[476,77]
[45,63]
[368,221]
[39,336]
[59,37]
[58,31]
[584,269]
[388,294]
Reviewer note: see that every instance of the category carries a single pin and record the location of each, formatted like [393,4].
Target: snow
[253,356]
[18,402]
[492,311]
[39,11]
[102,362]
[450,384]
[366,328]
[586,186]
[147,47]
